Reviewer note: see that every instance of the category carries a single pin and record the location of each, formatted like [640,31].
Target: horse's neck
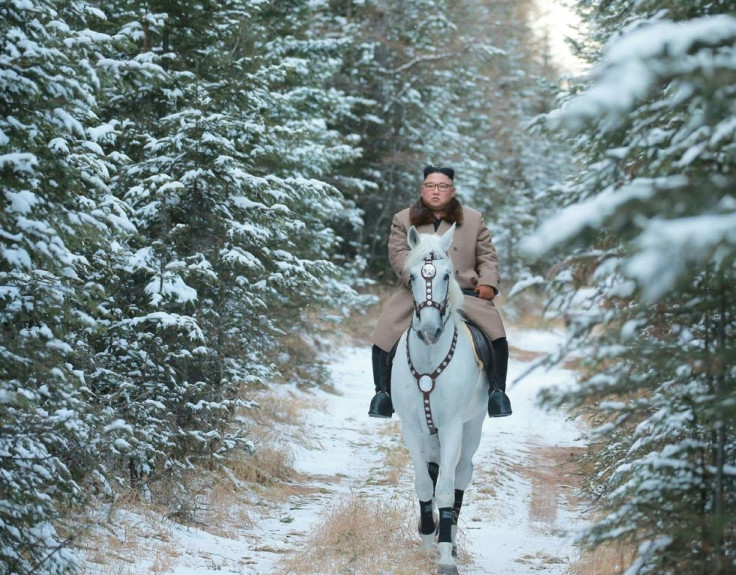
[426,357]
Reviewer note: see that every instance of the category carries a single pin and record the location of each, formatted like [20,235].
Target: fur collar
[419,214]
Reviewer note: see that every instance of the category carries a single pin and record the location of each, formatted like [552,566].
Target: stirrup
[381,406]
[499,404]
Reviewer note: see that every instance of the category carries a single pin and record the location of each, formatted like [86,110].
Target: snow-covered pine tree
[651,228]
[306,147]
[230,146]
[57,224]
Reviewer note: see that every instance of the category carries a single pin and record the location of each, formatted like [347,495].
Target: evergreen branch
[35,568]
[27,458]
[424,58]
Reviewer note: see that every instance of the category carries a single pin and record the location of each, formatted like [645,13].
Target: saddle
[483,351]
[499,404]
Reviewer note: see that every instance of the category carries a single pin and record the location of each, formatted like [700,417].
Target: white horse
[439,391]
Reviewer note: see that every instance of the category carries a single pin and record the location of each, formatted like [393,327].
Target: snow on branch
[422,59]
[593,212]
[632,64]
[668,247]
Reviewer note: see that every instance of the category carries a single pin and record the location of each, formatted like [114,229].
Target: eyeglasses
[441,187]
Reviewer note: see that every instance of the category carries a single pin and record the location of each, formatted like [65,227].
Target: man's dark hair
[449,172]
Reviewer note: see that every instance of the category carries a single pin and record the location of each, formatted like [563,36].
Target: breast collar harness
[426,382]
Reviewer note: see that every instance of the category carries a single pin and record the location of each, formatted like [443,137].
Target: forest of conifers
[186,183]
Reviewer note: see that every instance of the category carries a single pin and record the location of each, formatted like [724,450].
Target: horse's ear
[447,238]
[412,237]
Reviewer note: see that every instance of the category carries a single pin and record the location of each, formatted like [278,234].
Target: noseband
[428,273]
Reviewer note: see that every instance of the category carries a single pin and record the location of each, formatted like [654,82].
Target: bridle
[426,382]
[428,272]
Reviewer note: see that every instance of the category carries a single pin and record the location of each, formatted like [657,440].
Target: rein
[427,381]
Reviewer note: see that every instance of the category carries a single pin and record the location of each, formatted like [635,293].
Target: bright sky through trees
[557,22]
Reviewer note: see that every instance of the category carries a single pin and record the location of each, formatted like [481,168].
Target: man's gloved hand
[485,292]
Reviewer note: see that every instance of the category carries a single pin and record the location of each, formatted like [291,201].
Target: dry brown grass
[266,466]
[220,501]
[274,428]
[116,551]
[227,507]
[396,457]
[363,537]
[397,461]
[524,355]
[555,474]
[526,311]
[297,359]
[605,560]
[276,408]
[360,323]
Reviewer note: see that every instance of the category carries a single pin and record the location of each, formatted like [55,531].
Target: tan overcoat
[474,259]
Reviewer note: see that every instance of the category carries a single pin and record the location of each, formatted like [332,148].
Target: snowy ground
[517,515]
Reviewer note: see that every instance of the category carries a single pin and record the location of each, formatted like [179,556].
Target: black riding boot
[498,402]
[381,405]
[501,353]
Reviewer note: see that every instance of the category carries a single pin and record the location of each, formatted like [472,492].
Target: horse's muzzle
[430,337]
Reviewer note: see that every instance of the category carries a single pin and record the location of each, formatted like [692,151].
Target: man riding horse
[476,270]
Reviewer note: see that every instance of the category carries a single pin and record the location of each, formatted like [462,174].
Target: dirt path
[522,504]
[351,507]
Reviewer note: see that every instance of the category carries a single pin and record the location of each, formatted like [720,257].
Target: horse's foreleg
[471,440]
[427,525]
[464,470]
[455,516]
[434,472]
[450,447]
[423,483]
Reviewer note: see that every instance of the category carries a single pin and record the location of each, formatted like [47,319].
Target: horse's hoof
[428,541]
[448,570]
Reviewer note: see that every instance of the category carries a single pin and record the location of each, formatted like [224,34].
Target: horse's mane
[430,243]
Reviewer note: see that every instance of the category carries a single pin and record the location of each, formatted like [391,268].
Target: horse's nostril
[429,337]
